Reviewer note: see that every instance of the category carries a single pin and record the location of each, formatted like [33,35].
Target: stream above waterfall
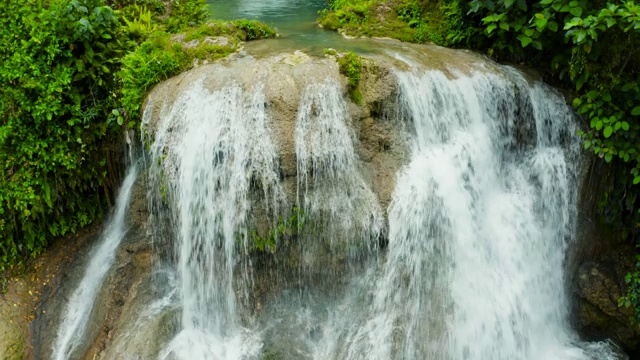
[295,21]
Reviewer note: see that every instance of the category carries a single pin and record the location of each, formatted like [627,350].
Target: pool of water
[295,21]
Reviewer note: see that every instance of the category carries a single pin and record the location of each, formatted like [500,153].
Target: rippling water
[295,21]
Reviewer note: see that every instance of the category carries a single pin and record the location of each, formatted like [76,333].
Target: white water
[478,230]
[220,156]
[479,225]
[78,311]
[329,186]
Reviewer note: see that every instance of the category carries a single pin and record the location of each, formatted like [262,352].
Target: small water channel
[295,21]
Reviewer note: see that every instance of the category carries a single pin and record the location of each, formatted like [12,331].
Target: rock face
[600,265]
[599,285]
[379,140]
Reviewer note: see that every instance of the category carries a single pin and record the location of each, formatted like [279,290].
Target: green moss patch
[165,55]
[405,20]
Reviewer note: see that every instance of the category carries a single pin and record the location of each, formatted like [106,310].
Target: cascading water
[329,185]
[481,217]
[212,156]
[78,311]
[478,228]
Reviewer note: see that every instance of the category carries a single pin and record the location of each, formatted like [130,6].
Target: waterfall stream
[478,229]
[80,305]
[224,148]
[274,244]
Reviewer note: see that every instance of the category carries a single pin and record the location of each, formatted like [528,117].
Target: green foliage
[160,57]
[74,71]
[351,67]
[186,13]
[632,298]
[139,23]
[284,231]
[254,30]
[57,64]
[418,21]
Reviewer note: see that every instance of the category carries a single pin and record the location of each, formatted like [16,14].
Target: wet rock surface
[599,285]
[600,260]
[31,298]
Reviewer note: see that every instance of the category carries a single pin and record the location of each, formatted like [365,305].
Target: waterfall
[467,263]
[213,157]
[330,188]
[80,305]
[479,225]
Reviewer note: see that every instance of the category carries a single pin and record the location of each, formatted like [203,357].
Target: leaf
[537,44]
[576,102]
[576,11]
[504,26]
[635,111]
[553,26]
[525,40]
[636,180]
[490,28]
[610,22]
[608,157]
[608,131]
[599,125]
[625,126]
[627,87]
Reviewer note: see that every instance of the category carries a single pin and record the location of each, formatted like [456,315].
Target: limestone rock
[217,41]
[599,286]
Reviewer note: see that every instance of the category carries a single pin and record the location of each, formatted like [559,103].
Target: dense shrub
[73,72]
[57,63]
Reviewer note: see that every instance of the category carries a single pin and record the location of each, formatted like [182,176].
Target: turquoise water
[295,21]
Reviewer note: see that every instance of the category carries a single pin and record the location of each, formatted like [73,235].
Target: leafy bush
[57,62]
[254,30]
[160,58]
[74,71]
[418,21]
[184,13]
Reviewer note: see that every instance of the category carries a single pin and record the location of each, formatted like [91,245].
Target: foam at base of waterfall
[199,344]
